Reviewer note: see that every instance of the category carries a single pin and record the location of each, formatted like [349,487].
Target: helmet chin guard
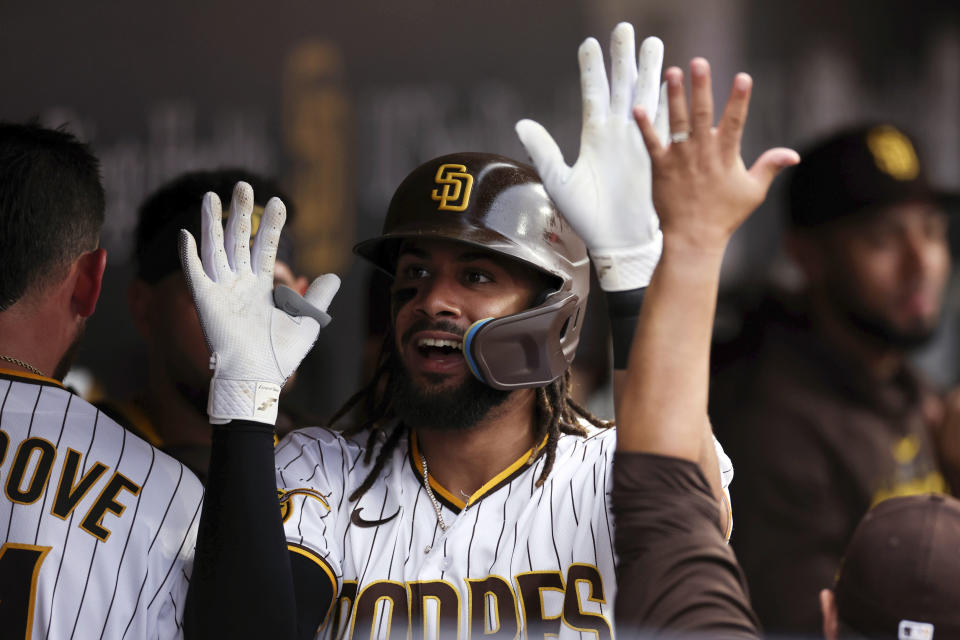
[527,349]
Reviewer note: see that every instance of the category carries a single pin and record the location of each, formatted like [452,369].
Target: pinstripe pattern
[63,545]
[513,529]
[561,532]
[118,565]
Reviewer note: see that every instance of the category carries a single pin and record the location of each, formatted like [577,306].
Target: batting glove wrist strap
[629,268]
[243,400]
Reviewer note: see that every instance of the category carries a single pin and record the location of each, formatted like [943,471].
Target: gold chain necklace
[21,363]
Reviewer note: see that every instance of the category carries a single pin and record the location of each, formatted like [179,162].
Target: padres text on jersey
[516,560]
[514,557]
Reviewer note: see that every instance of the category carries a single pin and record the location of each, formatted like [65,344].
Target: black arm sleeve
[314,594]
[623,307]
[675,574]
[243,585]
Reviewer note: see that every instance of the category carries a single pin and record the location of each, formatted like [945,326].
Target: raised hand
[701,188]
[605,195]
[254,345]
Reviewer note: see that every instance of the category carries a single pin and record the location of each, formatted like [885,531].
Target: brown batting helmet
[500,205]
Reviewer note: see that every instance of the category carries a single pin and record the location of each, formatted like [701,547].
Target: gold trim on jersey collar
[488,487]
[16,373]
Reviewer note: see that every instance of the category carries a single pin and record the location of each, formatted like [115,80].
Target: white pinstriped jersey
[98,526]
[515,557]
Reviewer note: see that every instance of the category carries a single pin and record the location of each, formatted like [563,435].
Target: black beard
[881,331]
[874,325]
[448,409]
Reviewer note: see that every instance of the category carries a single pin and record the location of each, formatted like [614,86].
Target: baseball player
[98,526]
[674,572]
[472,498]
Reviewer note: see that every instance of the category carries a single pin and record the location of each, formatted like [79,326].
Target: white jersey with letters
[98,527]
[514,556]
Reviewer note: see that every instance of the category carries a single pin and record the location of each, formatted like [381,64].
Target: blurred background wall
[340,100]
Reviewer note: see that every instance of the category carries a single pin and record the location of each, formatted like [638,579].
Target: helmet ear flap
[527,349]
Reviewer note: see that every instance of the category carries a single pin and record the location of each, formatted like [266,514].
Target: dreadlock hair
[556,412]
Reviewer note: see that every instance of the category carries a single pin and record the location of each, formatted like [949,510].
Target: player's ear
[828,607]
[89,280]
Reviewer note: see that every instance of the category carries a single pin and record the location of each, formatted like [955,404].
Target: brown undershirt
[676,576]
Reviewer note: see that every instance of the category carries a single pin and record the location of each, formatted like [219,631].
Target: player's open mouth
[438,348]
[441,352]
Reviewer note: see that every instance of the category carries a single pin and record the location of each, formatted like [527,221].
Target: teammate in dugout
[473,498]
[99,526]
[898,574]
[674,570]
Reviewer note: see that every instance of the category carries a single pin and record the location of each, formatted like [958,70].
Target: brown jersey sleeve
[676,575]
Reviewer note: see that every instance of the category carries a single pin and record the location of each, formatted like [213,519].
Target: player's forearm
[242,585]
[664,407]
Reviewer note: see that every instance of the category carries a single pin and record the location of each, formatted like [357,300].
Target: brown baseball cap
[900,577]
[856,170]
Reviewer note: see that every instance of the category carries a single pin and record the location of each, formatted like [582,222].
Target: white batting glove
[255,345]
[606,196]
